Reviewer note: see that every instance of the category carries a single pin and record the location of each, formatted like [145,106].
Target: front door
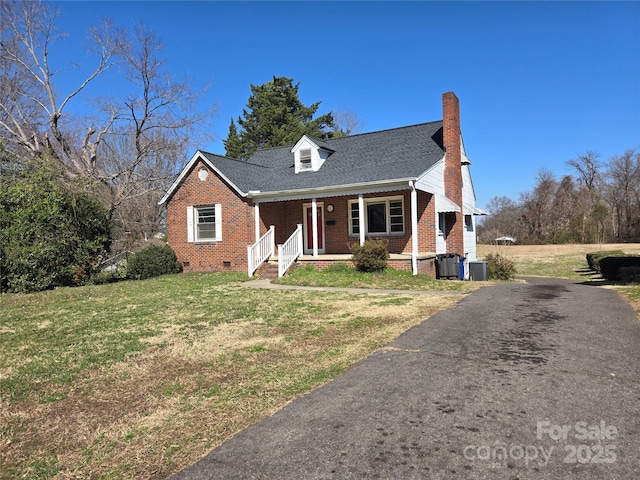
[308,228]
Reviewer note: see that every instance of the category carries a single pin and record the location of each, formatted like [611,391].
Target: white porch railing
[289,251]
[261,250]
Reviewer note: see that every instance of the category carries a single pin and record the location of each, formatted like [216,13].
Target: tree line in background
[599,203]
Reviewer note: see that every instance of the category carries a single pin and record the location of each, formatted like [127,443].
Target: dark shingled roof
[387,155]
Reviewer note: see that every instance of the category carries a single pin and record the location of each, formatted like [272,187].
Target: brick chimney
[452,170]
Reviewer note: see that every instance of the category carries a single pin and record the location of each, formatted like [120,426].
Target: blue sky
[538,82]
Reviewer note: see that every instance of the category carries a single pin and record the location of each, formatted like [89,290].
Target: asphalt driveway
[536,380]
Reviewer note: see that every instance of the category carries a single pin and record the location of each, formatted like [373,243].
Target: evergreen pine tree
[275,116]
[233,145]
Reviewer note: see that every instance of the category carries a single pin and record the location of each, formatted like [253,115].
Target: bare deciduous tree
[32,107]
[623,173]
[601,203]
[132,146]
[347,122]
[589,169]
[155,126]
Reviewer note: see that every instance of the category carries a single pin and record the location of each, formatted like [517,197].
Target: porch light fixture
[330,208]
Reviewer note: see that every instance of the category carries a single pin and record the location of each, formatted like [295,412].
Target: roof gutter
[333,190]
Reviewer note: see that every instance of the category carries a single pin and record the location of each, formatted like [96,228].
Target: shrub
[51,234]
[153,261]
[593,258]
[611,267]
[112,274]
[500,267]
[372,256]
[630,274]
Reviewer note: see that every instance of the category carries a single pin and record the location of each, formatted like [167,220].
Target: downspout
[314,221]
[361,214]
[256,219]
[414,227]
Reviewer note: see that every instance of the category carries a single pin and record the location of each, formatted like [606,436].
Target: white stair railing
[261,250]
[289,251]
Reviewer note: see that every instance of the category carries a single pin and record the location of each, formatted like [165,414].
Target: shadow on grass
[595,280]
[598,280]
[586,271]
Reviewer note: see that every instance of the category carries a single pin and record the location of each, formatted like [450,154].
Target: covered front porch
[326,227]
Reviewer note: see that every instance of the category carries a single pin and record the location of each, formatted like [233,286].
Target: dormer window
[305,159]
[309,154]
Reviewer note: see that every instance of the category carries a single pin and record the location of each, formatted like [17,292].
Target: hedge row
[593,258]
[615,268]
[615,265]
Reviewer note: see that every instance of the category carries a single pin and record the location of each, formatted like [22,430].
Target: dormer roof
[316,142]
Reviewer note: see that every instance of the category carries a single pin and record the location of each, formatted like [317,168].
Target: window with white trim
[305,159]
[442,224]
[204,223]
[382,216]
[468,223]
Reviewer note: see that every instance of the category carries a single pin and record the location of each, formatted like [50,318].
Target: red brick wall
[452,169]
[237,224]
[426,266]
[426,222]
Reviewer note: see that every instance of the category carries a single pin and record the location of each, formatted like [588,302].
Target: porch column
[314,225]
[256,219]
[414,228]
[361,215]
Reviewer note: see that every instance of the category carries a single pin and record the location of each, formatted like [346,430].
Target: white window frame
[387,201]
[468,222]
[306,159]
[442,224]
[192,224]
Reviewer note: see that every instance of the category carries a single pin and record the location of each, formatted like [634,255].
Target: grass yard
[141,379]
[342,275]
[564,261]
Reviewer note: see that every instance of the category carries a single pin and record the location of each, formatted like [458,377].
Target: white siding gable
[301,151]
[432,180]
[468,194]
[470,212]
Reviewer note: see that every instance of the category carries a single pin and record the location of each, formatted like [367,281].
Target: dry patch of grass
[563,261]
[142,379]
[533,251]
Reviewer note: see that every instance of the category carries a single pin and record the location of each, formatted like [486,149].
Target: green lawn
[342,275]
[570,265]
[140,379]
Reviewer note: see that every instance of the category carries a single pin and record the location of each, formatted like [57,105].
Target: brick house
[309,201]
